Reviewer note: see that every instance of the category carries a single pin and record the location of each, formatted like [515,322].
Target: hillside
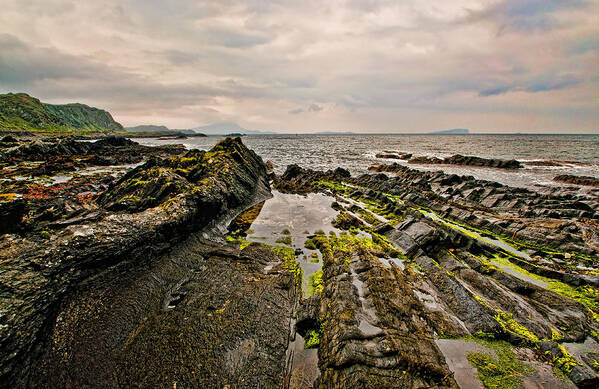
[23,113]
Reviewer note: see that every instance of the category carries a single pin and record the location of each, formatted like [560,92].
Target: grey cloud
[179,57]
[527,15]
[585,45]
[310,108]
[22,65]
[234,39]
[542,84]
[495,91]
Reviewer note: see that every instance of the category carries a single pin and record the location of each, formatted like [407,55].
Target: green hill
[22,113]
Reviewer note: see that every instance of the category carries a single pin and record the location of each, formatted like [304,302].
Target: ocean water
[357,152]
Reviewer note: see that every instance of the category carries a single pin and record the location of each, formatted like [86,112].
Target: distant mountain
[335,133]
[21,112]
[147,128]
[224,128]
[454,131]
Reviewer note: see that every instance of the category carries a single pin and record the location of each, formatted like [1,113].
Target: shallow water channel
[289,220]
[295,217]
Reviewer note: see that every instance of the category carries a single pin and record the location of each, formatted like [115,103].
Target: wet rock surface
[110,150]
[186,271]
[482,261]
[577,180]
[559,219]
[203,315]
[42,268]
[467,160]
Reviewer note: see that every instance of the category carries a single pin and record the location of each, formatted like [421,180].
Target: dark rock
[577,180]
[8,141]
[12,212]
[198,192]
[342,173]
[115,140]
[581,375]
[468,161]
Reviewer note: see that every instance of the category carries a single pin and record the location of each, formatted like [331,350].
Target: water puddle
[113,170]
[456,355]
[288,220]
[303,364]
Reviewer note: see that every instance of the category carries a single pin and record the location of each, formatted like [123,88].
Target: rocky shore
[124,265]
[463,160]
[481,261]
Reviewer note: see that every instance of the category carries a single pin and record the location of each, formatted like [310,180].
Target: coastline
[122,277]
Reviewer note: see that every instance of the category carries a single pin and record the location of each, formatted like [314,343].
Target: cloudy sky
[308,65]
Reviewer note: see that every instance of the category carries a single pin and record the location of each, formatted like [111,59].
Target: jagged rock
[468,161]
[56,164]
[372,336]
[582,376]
[8,141]
[12,212]
[43,271]
[467,282]
[577,180]
[117,148]
[114,140]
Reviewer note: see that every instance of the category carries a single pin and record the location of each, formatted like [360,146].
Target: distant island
[453,131]
[335,133]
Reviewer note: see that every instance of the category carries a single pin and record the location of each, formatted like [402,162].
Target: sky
[307,65]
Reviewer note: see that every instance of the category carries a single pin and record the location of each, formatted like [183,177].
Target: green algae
[287,254]
[312,339]
[315,282]
[566,362]
[515,244]
[289,262]
[284,240]
[500,371]
[338,248]
[508,324]
[372,206]
[310,244]
[586,294]
[242,243]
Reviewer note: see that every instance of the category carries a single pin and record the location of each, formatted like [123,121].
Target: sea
[579,153]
